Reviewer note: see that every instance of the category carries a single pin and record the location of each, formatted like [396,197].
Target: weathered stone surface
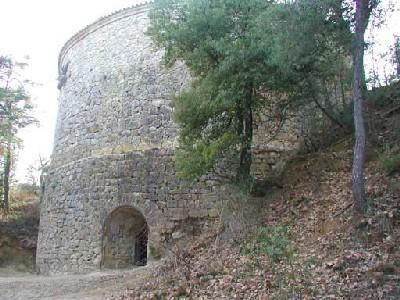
[114,147]
[275,143]
[114,144]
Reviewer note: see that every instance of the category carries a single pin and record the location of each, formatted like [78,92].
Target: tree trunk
[6,176]
[397,55]
[1,190]
[247,135]
[362,15]
[327,113]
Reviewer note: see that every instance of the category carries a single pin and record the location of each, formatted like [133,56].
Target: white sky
[39,28]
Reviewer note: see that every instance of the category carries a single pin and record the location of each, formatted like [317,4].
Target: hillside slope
[18,233]
[309,244]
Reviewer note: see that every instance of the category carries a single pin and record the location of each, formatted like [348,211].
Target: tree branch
[327,113]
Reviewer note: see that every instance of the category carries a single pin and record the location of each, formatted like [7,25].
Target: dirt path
[94,286]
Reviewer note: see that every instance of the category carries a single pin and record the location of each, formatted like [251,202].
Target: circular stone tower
[110,197]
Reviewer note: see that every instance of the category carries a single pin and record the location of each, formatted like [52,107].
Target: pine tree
[240,53]
[362,14]
[15,113]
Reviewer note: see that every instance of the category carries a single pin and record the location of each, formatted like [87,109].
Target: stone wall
[114,147]
[277,139]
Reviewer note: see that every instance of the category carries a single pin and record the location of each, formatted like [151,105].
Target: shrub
[273,241]
[391,163]
[384,97]
[27,188]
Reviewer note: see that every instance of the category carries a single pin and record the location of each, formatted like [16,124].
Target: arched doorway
[125,239]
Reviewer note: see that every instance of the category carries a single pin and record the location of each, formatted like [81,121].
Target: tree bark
[327,113]
[362,16]
[246,134]
[397,55]
[6,177]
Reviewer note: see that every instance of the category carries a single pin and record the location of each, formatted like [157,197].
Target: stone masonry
[114,147]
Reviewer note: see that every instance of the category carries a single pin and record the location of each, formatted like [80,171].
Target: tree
[35,171]
[15,113]
[362,14]
[241,54]
[311,46]
[396,55]
[214,39]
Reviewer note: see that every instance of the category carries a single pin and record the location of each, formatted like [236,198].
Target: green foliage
[240,53]
[322,133]
[15,113]
[391,163]
[194,160]
[385,97]
[274,241]
[213,38]
[155,252]
[15,105]
[26,188]
[346,117]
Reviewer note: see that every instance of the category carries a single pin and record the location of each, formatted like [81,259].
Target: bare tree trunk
[362,16]
[247,135]
[6,177]
[397,55]
[1,189]
[327,113]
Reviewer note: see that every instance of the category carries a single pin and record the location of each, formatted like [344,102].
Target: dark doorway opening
[125,239]
[141,247]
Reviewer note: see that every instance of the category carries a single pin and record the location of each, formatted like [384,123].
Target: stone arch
[125,238]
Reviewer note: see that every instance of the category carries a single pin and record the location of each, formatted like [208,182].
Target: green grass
[273,241]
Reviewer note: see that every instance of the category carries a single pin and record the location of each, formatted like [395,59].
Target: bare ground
[94,286]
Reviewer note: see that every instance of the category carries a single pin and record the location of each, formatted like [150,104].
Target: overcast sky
[39,28]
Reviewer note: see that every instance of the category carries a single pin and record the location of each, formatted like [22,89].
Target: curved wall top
[101,22]
[114,95]
[114,145]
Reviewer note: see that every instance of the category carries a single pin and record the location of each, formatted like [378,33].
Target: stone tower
[110,197]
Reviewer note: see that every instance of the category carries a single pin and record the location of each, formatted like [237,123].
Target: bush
[27,188]
[274,241]
[384,97]
[321,132]
[391,163]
